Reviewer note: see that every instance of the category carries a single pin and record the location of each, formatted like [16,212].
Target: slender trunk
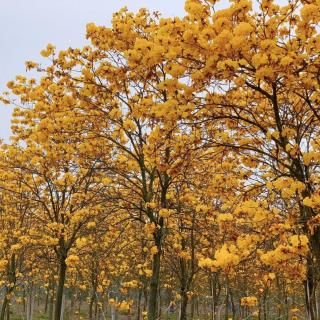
[184,287]
[159,302]
[192,308]
[30,303]
[96,309]
[183,305]
[213,299]
[79,306]
[308,293]
[113,312]
[63,304]
[4,306]
[8,311]
[313,266]
[264,301]
[215,290]
[24,301]
[286,305]
[91,303]
[11,274]
[233,307]
[198,312]
[51,302]
[48,294]
[139,304]
[5,303]
[72,304]
[313,260]
[145,298]
[39,295]
[47,300]
[154,282]
[60,289]
[226,315]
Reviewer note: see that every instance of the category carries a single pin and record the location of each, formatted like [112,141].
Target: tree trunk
[96,309]
[4,306]
[184,288]
[30,303]
[145,298]
[72,305]
[309,287]
[226,314]
[139,304]
[8,311]
[91,303]
[47,300]
[313,260]
[113,312]
[192,308]
[63,305]
[11,273]
[159,302]
[51,302]
[183,305]
[154,282]
[313,265]
[214,293]
[60,289]
[233,307]
[24,301]
[264,306]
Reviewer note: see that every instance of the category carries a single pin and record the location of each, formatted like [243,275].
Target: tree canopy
[172,161]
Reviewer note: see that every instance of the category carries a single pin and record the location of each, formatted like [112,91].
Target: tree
[194,137]
[253,75]
[16,259]
[64,191]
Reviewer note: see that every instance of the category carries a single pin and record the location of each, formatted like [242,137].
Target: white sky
[27,26]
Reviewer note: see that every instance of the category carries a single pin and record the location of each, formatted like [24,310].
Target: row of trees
[172,158]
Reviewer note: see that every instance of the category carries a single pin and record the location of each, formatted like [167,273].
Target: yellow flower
[205,262]
[72,260]
[249,301]
[243,28]
[48,51]
[154,250]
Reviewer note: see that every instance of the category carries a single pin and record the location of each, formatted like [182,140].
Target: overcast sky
[27,26]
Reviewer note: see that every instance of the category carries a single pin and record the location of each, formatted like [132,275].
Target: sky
[27,26]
